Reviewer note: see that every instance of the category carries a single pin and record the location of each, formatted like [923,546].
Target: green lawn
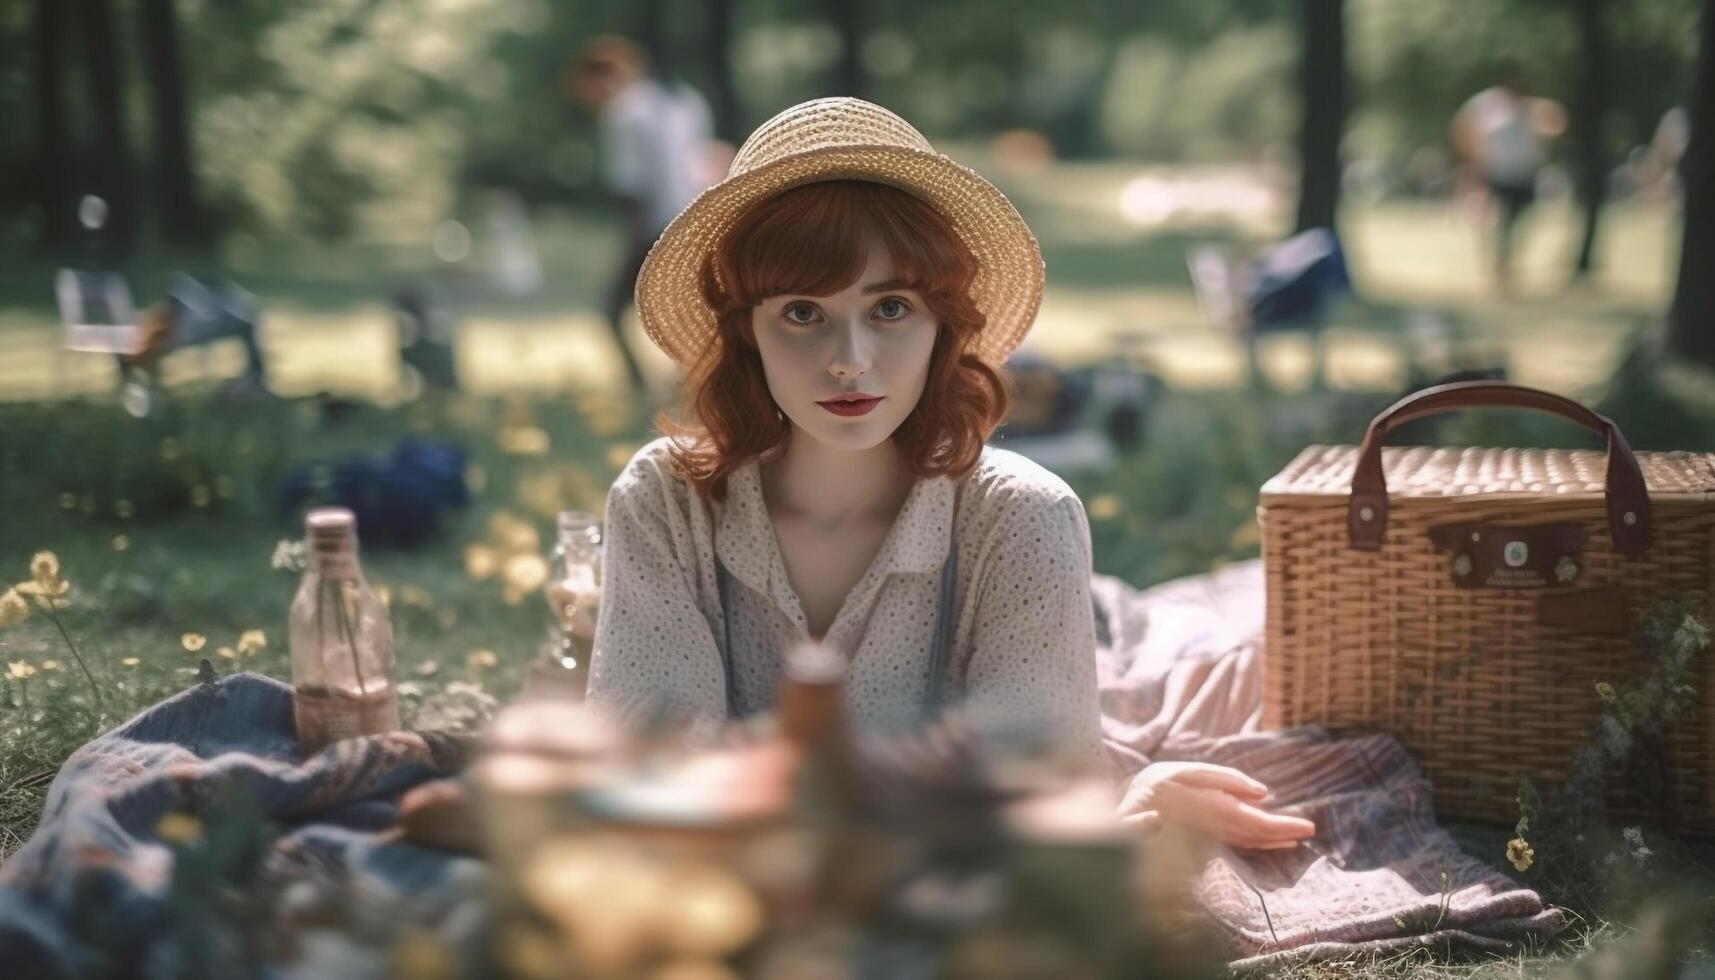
[1113,283]
[166,527]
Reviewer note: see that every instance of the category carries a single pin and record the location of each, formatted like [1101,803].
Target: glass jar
[574,595]
[341,641]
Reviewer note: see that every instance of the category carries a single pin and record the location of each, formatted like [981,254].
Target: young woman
[843,302]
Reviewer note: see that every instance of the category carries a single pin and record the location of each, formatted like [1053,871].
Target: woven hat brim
[1008,283]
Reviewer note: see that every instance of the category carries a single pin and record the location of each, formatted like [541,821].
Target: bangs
[814,240]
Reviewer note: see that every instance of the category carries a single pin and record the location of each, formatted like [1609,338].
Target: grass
[151,557]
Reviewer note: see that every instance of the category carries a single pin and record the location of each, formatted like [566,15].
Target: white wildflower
[289,555]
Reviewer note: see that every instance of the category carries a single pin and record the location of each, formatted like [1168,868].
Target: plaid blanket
[109,886]
[1180,671]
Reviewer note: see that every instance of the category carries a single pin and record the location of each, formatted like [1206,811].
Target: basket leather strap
[1627,494]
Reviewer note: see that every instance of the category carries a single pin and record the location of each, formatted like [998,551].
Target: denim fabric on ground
[166,840]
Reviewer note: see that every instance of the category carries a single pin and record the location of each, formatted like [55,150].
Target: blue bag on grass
[398,497]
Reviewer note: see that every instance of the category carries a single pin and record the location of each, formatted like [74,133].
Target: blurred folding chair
[98,317]
[1288,285]
[97,312]
[198,316]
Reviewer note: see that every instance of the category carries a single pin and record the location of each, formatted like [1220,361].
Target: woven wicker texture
[1470,679]
[1415,472]
[836,139]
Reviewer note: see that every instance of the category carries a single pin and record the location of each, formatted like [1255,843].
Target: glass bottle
[574,594]
[341,640]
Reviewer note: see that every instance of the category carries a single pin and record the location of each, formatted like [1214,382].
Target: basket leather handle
[1627,494]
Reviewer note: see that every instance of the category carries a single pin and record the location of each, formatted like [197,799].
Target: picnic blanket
[102,887]
[1180,673]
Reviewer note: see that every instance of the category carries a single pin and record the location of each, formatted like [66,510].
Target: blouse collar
[917,542]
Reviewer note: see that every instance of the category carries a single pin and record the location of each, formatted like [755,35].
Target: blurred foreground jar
[615,857]
[341,640]
[791,845]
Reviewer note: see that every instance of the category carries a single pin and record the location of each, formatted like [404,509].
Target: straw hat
[843,139]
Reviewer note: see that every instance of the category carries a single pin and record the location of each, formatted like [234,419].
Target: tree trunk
[850,20]
[1592,108]
[654,34]
[728,125]
[112,160]
[1322,80]
[182,220]
[1692,320]
[53,147]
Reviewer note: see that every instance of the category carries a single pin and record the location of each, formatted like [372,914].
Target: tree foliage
[332,117]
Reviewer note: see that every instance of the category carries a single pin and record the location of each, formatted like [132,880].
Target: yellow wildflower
[1520,853]
[50,665]
[525,573]
[481,659]
[1605,690]
[192,642]
[252,642]
[1104,507]
[68,501]
[528,440]
[481,561]
[383,593]
[44,592]
[45,568]
[13,608]
[20,670]
[121,542]
[45,583]
[227,653]
[512,533]
[415,595]
[122,509]
[129,662]
[177,827]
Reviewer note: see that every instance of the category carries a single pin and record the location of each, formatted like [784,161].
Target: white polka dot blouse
[1023,642]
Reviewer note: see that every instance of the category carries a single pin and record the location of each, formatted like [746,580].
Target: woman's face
[872,339]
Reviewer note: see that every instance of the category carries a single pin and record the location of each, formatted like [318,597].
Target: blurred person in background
[1660,176]
[656,154]
[1501,138]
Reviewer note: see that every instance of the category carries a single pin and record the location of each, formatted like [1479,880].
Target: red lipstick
[851,404]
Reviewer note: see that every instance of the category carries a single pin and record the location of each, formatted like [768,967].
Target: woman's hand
[1213,800]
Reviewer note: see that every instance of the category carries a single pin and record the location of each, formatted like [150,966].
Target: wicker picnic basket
[1469,600]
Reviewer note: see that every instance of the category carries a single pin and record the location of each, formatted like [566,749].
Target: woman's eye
[899,307]
[809,314]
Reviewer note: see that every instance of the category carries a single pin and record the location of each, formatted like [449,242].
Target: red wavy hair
[812,240]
